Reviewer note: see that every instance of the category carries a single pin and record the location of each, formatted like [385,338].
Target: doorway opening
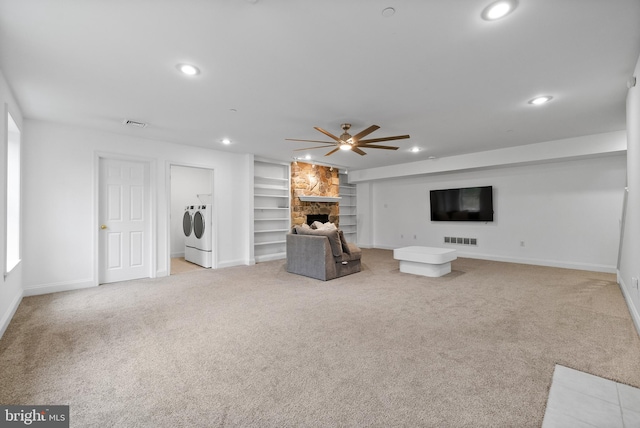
[192,219]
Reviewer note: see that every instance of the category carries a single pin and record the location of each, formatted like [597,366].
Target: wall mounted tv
[467,204]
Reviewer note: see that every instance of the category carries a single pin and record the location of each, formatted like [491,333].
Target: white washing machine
[199,245]
[187,228]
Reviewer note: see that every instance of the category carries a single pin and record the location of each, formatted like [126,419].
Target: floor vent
[134,123]
[461,241]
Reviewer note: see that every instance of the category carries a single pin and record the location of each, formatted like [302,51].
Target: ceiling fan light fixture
[354,143]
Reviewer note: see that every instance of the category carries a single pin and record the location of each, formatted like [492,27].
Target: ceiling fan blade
[333,151]
[375,146]
[316,147]
[364,133]
[358,151]
[328,134]
[378,140]
[309,141]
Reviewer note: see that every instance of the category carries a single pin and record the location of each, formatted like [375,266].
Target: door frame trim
[153,212]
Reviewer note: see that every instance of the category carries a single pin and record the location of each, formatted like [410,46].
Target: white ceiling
[435,70]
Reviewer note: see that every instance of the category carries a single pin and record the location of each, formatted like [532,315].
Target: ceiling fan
[353,143]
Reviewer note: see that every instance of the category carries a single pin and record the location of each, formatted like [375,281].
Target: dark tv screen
[467,204]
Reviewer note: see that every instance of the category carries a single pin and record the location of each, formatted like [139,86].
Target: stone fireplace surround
[313,180]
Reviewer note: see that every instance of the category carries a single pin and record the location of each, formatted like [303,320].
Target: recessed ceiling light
[498,9]
[388,11]
[540,100]
[307,157]
[188,69]
[415,149]
[226,141]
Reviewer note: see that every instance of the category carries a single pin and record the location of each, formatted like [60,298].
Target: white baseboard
[371,246]
[6,318]
[383,247]
[540,262]
[35,290]
[270,257]
[231,263]
[537,262]
[175,255]
[633,311]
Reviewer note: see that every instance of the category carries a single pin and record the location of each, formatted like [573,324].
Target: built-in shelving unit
[271,212]
[348,218]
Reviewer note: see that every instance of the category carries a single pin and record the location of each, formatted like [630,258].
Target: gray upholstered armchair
[321,254]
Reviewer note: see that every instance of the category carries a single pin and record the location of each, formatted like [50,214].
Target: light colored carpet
[257,346]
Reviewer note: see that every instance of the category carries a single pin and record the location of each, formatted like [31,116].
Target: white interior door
[124,218]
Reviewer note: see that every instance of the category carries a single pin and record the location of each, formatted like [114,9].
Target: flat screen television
[467,204]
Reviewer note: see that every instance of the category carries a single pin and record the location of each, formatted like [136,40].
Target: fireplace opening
[322,218]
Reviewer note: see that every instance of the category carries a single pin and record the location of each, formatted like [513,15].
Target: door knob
[104,226]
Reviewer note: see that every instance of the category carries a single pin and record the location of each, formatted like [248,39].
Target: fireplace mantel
[320,198]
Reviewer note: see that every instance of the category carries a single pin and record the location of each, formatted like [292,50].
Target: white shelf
[269,243]
[262,195]
[270,186]
[262,177]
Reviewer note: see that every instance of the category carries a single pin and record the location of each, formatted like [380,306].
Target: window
[13,194]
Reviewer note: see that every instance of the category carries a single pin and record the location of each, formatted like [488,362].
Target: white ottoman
[425,261]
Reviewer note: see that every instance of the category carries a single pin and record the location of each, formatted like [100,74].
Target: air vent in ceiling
[134,123]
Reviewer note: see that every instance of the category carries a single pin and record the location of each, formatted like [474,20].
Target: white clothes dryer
[200,247]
